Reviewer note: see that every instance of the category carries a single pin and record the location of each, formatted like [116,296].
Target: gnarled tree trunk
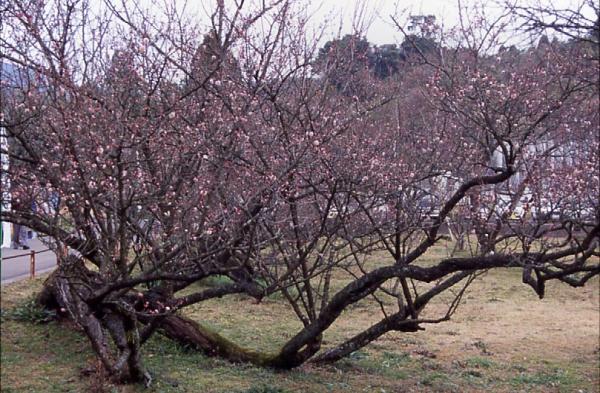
[67,290]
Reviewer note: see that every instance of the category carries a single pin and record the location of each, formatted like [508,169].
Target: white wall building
[6,227]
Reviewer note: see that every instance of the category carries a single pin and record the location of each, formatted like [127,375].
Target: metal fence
[32,255]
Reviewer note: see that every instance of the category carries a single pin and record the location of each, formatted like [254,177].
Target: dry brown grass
[502,339]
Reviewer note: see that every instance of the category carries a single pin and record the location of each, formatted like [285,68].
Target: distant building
[6,227]
[12,78]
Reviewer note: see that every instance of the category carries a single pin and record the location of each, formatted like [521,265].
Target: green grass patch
[28,311]
[479,362]
[559,378]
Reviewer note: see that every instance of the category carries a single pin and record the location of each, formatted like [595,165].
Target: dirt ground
[502,333]
[564,326]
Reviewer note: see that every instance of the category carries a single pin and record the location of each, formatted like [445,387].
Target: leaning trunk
[63,292]
[66,290]
[191,334]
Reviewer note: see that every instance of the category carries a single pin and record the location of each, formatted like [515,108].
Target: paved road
[15,269]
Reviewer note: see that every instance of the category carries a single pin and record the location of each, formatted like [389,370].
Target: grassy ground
[503,339]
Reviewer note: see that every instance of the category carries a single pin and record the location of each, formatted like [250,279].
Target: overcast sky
[382,30]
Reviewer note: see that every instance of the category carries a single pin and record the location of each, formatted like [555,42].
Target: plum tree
[173,152]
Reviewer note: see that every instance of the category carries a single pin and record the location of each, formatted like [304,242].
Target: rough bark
[397,321]
[67,290]
[191,334]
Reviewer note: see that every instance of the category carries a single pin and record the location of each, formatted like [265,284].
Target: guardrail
[32,255]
